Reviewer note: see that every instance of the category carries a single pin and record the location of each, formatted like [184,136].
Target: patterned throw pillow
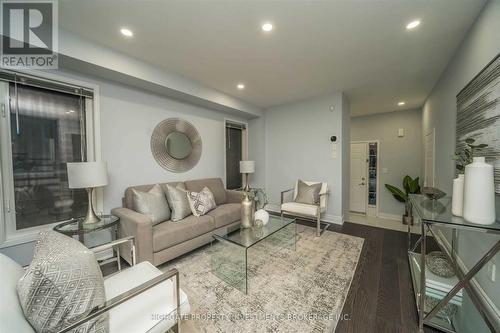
[201,202]
[152,204]
[308,194]
[62,285]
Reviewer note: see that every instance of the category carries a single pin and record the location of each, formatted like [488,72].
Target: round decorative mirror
[176,145]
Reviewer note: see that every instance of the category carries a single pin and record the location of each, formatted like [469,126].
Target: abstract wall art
[478,115]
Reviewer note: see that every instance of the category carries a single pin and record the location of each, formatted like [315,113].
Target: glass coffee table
[230,253]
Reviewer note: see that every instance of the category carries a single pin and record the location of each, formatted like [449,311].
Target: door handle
[362,184]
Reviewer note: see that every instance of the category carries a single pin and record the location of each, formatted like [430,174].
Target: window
[43,126]
[236,150]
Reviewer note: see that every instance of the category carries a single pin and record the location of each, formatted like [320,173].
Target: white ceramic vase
[262,215]
[457,201]
[479,192]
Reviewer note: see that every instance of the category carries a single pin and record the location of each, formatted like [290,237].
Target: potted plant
[410,186]
[465,156]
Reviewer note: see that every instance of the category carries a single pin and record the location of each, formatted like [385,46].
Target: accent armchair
[307,211]
[138,299]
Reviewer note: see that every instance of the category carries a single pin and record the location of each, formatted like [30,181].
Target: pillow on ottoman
[62,285]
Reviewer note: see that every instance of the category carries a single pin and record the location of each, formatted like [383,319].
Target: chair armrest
[283,195]
[234,196]
[115,301]
[140,227]
[323,195]
[111,245]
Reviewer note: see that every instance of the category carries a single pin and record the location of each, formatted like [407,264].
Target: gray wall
[128,117]
[401,156]
[479,47]
[298,147]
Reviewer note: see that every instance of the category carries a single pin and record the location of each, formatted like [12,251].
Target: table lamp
[88,175]
[246,168]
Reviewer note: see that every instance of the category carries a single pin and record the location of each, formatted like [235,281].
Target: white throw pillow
[153,204]
[201,202]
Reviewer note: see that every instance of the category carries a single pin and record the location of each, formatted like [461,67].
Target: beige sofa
[168,240]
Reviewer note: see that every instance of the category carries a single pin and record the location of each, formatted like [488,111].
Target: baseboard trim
[390,216]
[327,218]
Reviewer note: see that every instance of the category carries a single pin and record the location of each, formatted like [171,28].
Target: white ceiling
[316,47]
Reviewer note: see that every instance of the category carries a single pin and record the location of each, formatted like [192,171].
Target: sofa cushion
[12,319]
[171,233]
[62,285]
[226,214]
[214,184]
[152,203]
[128,200]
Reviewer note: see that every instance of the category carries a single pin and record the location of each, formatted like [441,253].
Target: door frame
[431,133]
[244,143]
[375,209]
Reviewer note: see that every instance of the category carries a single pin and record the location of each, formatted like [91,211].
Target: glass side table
[442,302]
[86,233]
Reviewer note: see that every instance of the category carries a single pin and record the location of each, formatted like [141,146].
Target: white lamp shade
[247,166]
[87,174]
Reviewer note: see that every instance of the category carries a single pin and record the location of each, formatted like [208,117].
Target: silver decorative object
[247,212]
[438,263]
[176,145]
[433,193]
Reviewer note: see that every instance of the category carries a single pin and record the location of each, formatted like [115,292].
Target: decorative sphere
[262,215]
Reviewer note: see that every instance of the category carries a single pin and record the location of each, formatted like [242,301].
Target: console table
[436,305]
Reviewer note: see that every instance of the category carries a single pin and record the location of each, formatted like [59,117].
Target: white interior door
[429,153]
[359,184]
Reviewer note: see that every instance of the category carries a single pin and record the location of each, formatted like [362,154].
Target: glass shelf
[439,212]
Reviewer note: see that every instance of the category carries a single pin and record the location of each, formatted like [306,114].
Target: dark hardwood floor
[381,295]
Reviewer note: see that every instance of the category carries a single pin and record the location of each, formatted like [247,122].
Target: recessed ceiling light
[401,103]
[267,27]
[126,32]
[240,86]
[413,24]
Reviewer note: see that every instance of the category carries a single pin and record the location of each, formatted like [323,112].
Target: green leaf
[397,193]
[470,141]
[481,146]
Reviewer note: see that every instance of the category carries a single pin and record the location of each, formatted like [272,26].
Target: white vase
[479,192]
[457,202]
[262,215]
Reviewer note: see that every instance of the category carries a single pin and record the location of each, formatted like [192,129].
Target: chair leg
[318,226]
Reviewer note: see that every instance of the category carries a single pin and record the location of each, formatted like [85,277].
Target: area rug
[290,290]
